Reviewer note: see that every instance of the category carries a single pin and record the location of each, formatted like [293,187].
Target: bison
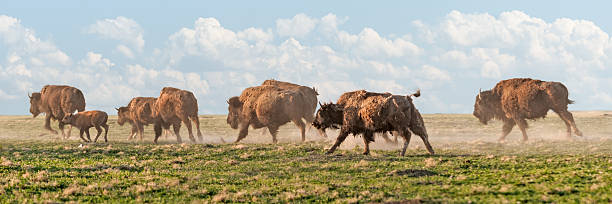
[174,106]
[138,113]
[514,100]
[362,112]
[306,94]
[265,106]
[87,119]
[56,101]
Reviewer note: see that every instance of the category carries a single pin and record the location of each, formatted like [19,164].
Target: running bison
[174,106]
[265,106]
[362,112]
[56,101]
[514,100]
[306,94]
[138,113]
[87,119]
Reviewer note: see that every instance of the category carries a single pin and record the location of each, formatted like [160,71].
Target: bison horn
[320,104]
[479,92]
[117,109]
[227,101]
[29,95]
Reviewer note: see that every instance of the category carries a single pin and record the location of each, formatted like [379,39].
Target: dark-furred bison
[174,106]
[362,112]
[514,100]
[139,113]
[56,101]
[265,106]
[306,94]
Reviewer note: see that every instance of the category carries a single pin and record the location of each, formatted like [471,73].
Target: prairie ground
[469,165]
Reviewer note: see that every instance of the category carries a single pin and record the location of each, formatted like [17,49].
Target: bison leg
[157,127]
[189,129]
[273,131]
[568,118]
[196,121]
[99,133]
[522,124]
[422,132]
[302,127]
[105,126]
[88,136]
[367,138]
[406,135]
[134,132]
[244,131]
[81,135]
[48,123]
[140,127]
[386,137]
[506,129]
[177,129]
[339,141]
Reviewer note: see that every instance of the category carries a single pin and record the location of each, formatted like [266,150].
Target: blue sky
[116,50]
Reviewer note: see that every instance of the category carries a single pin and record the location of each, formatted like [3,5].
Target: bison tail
[570,101]
[416,94]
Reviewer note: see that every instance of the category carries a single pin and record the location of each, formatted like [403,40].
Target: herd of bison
[275,103]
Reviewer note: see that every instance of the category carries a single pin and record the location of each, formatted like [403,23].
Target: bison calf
[87,119]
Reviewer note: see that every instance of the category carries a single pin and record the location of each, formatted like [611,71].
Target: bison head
[123,114]
[35,104]
[234,110]
[68,118]
[328,116]
[486,106]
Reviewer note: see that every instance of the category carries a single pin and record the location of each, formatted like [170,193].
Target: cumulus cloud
[449,59]
[298,26]
[121,28]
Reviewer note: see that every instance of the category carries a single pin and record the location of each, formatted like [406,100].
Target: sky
[116,50]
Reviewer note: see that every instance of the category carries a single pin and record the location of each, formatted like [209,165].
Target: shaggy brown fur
[174,106]
[265,106]
[87,119]
[362,112]
[56,101]
[307,95]
[515,100]
[138,113]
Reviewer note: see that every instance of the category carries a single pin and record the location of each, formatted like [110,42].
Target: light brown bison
[138,113]
[265,106]
[362,112]
[306,94]
[87,119]
[514,100]
[174,106]
[56,101]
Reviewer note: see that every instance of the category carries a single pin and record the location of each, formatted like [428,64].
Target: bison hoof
[329,152]
[366,153]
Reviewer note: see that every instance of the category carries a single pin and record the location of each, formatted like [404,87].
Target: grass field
[468,166]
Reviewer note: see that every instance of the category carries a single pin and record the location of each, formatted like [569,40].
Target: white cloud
[5,96]
[121,28]
[298,26]
[125,51]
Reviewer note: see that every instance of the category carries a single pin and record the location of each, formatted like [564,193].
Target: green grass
[468,166]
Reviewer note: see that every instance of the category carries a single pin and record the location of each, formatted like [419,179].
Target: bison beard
[56,101]
[362,112]
[515,100]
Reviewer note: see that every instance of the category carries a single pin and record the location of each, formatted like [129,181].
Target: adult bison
[265,106]
[305,94]
[362,112]
[56,101]
[514,100]
[174,106]
[138,113]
